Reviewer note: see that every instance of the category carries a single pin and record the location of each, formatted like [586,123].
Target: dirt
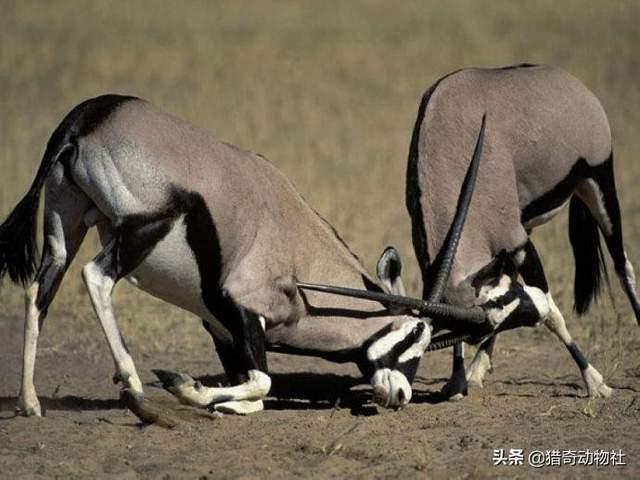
[319,421]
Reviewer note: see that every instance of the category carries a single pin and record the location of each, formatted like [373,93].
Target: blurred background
[328,91]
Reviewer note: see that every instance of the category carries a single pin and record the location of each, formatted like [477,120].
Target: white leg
[28,403]
[244,398]
[100,287]
[592,378]
[481,363]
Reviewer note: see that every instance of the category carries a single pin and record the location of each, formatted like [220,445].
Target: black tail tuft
[18,246]
[587,252]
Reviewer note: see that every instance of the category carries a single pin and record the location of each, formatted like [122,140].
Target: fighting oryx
[548,143]
[219,232]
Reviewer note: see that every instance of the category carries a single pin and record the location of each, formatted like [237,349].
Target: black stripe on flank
[202,237]
[578,356]
[563,190]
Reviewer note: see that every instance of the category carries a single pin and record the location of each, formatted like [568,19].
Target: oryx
[217,231]
[548,143]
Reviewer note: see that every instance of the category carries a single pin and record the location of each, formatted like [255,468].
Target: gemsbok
[548,143]
[219,232]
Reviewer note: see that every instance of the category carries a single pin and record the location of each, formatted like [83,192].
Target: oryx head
[392,355]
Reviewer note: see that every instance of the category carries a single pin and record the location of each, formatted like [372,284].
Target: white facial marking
[489,292]
[385,344]
[391,388]
[416,350]
[498,315]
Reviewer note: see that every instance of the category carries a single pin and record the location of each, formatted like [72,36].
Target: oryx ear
[389,269]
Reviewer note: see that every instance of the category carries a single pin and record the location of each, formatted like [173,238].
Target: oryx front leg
[592,378]
[481,363]
[244,360]
[99,277]
[242,399]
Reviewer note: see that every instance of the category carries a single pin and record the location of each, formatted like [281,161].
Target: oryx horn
[448,252]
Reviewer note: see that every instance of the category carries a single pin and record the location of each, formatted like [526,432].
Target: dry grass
[327,90]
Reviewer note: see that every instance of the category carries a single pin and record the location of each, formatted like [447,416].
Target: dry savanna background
[328,91]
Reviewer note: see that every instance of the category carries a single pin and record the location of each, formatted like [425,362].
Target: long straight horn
[448,251]
[473,316]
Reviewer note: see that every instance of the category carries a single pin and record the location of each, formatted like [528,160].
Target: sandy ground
[318,423]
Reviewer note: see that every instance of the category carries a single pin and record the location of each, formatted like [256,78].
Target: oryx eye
[417,330]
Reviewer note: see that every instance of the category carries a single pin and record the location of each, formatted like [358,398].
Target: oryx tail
[595,209]
[18,242]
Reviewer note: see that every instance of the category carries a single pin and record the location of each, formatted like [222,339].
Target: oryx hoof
[28,408]
[455,389]
[596,386]
[240,407]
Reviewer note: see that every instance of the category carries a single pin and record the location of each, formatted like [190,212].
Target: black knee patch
[578,356]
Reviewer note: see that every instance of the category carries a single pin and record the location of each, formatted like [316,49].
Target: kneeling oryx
[219,232]
[547,143]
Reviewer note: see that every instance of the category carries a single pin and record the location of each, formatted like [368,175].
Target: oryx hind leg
[533,274]
[510,305]
[482,363]
[243,359]
[599,194]
[100,276]
[64,230]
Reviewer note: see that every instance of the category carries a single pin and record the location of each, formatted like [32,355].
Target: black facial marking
[525,314]
[501,264]
[578,356]
[390,359]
